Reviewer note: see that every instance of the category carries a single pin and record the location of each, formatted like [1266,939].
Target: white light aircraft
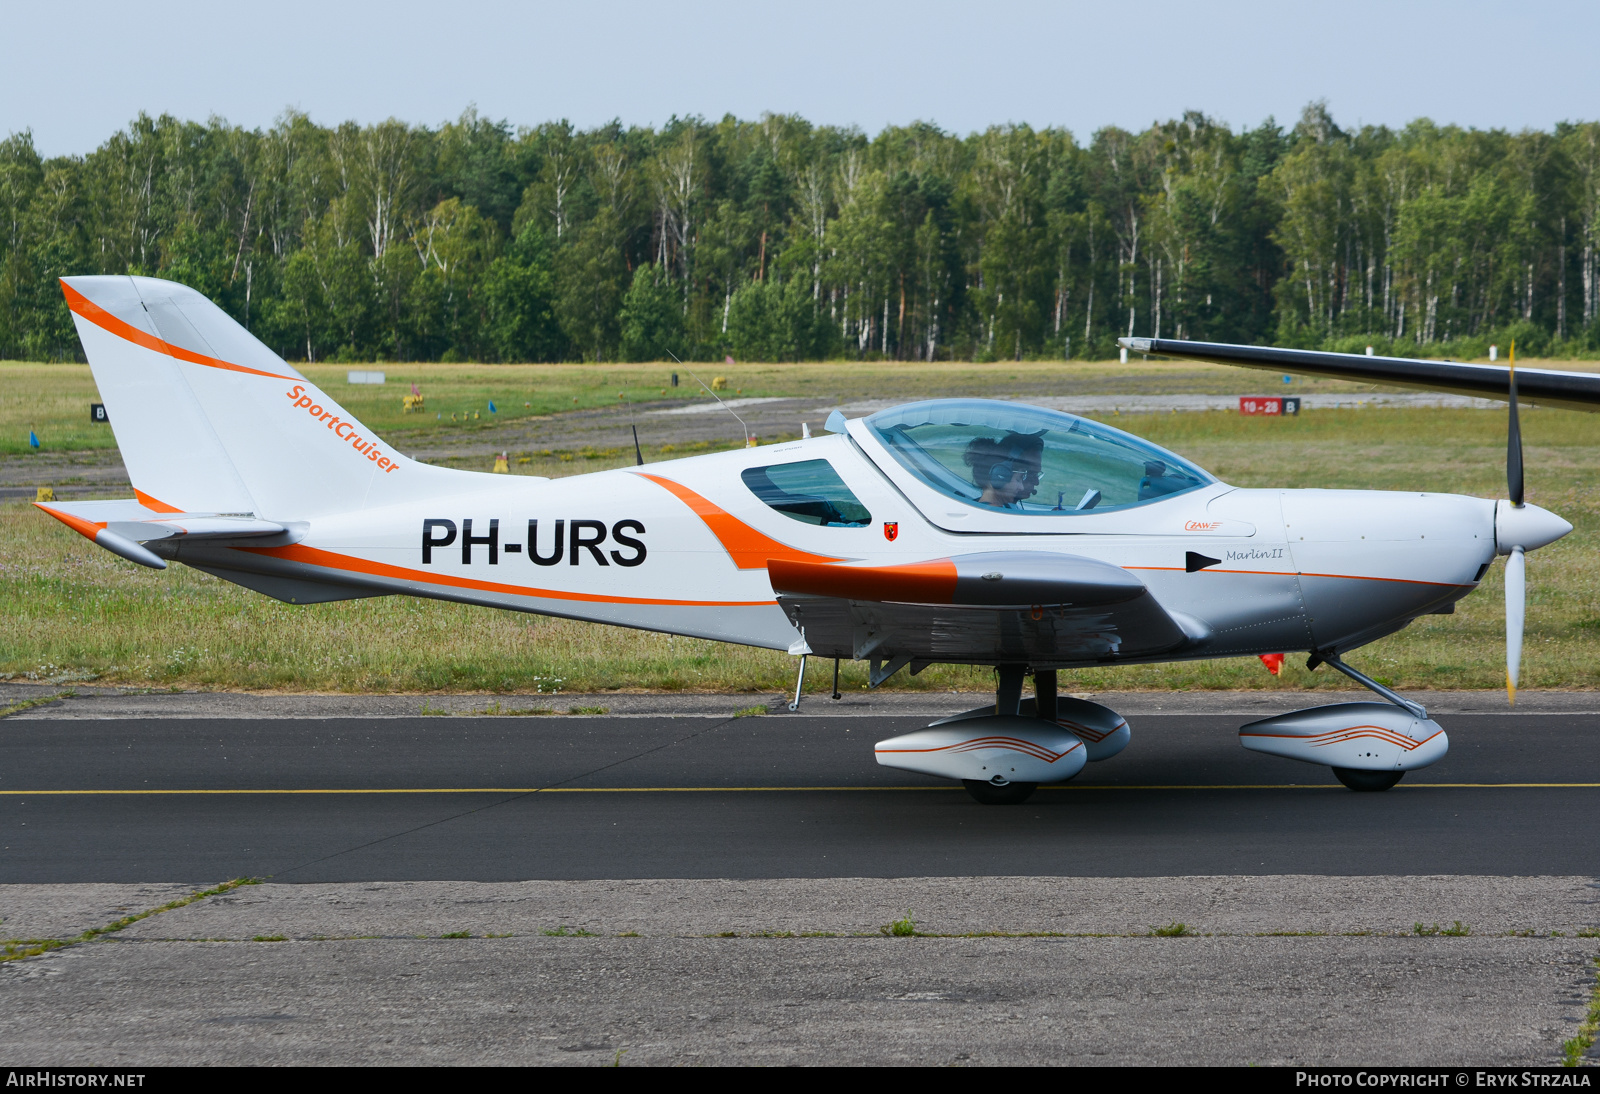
[958,531]
[1545,387]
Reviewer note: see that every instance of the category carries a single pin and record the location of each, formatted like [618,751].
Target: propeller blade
[1514,440]
[1516,611]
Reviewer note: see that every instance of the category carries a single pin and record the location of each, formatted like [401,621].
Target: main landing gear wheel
[1004,794]
[1367,780]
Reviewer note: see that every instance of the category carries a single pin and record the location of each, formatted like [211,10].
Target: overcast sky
[75,73]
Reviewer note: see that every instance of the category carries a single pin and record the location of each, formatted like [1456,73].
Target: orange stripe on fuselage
[1299,573]
[750,549]
[314,556]
[94,313]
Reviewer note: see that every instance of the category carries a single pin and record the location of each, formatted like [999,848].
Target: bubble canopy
[1009,457]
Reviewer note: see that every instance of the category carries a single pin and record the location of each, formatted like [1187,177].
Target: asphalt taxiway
[679,880]
[702,795]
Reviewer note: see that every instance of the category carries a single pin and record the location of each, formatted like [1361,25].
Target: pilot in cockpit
[1006,469]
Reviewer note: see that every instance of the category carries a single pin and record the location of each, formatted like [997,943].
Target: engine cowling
[996,748]
[1358,736]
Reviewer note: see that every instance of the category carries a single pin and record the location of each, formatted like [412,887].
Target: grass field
[53,400]
[71,612]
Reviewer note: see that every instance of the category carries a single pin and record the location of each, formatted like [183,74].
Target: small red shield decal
[891,529]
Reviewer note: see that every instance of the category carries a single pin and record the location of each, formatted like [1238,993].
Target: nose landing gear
[1368,746]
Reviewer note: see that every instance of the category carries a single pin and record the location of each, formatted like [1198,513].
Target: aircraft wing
[1547,387]
[1035,607]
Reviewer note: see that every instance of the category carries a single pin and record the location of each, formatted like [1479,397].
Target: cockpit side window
[1024,459]
[810,491]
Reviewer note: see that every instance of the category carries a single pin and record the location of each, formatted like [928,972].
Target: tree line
[780,240]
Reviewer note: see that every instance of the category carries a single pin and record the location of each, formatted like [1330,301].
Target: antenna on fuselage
[633,424]
[714,395]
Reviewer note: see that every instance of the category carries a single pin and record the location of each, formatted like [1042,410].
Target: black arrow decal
[1193,560]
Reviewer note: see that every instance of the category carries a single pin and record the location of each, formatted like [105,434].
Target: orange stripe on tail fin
[94,313]
[154,504]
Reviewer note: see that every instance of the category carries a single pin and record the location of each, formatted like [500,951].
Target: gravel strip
[89,701]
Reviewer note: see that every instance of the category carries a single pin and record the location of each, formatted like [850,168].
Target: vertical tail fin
[210,420]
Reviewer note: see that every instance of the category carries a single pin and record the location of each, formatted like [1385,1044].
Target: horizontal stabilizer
[122,527]
[1547,387]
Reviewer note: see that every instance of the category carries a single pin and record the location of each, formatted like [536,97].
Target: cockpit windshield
[1025,459]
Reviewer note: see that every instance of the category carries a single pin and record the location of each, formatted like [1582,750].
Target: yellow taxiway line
[774,789]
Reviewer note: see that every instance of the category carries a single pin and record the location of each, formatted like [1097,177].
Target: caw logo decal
[891,530]
[569,540]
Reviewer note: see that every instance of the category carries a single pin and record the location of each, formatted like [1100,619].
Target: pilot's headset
[1001,474]
[1004,470]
